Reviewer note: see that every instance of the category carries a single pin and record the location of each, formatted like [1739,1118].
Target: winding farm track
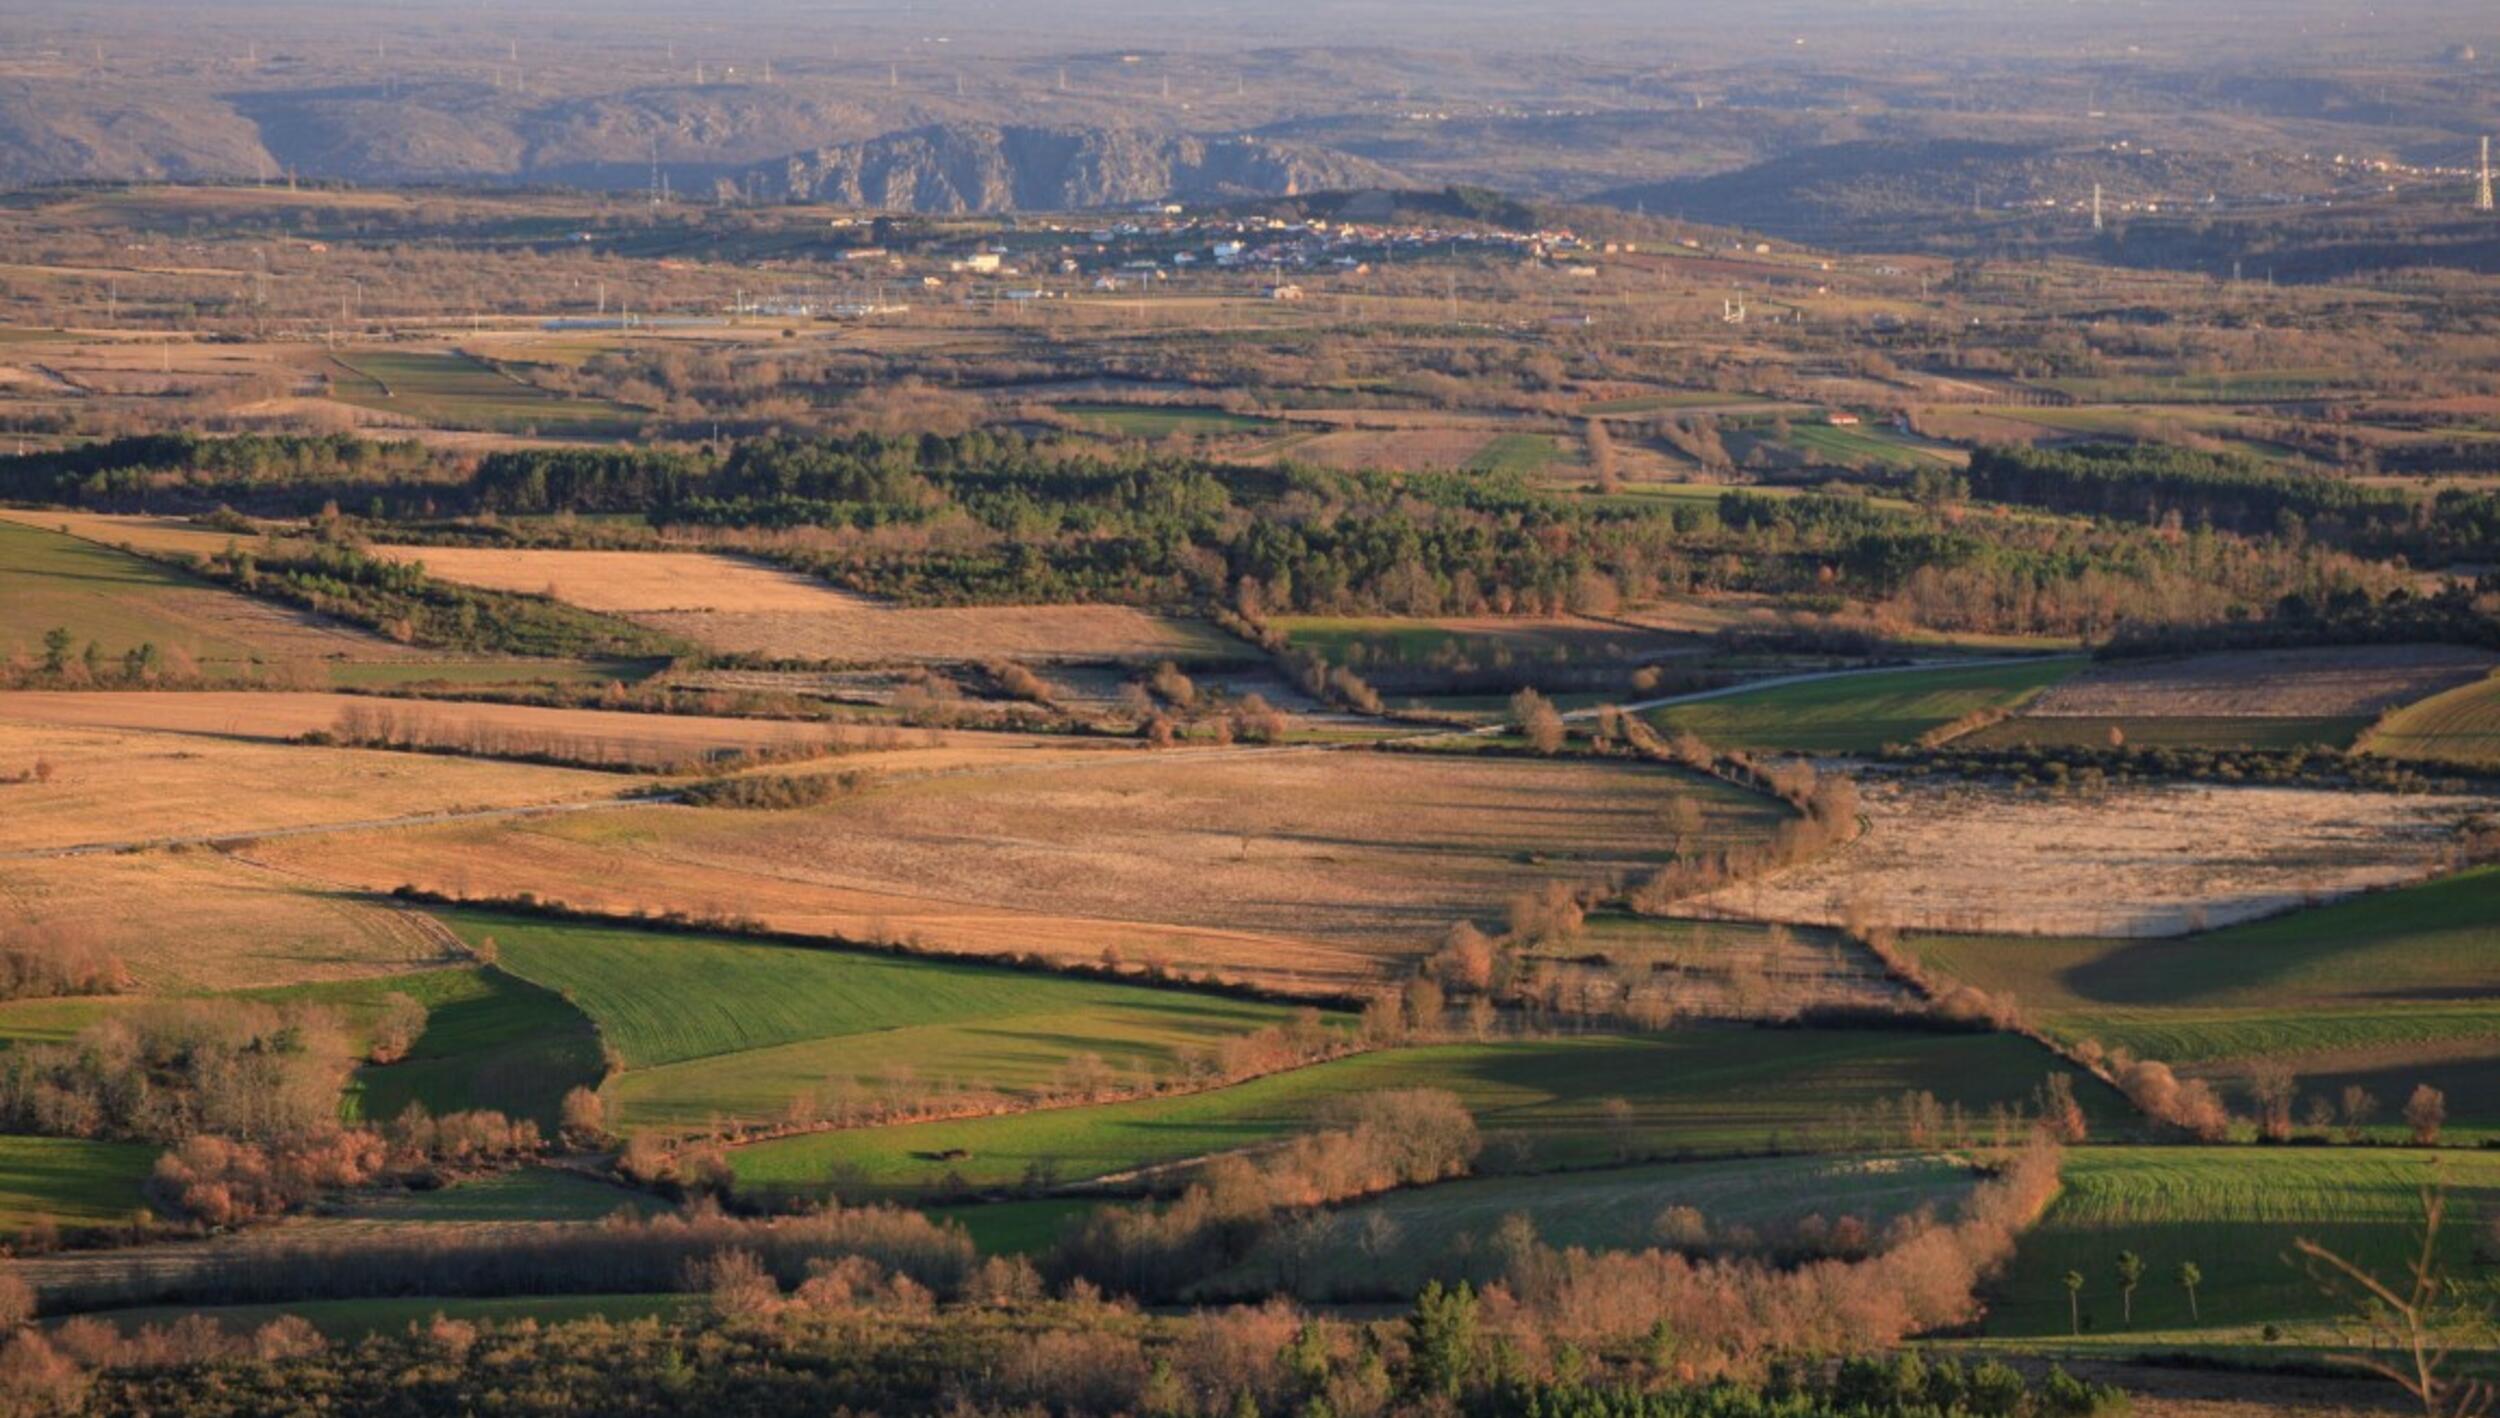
[1051,764]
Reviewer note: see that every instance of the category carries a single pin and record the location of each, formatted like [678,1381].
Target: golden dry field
[203,920]
[859,630]
[630,582]
[75,787]
[1294,866]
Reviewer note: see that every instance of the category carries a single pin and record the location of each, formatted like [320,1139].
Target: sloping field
[2209,731]
[1704,1091]
[2234,1213]
[1859,713]
[449,389]
[588,734]
[2144,861]
[120,601]
[1397,1242]
[241,925]
[2345,681]
[2384,991]
[117,786]
[711,1028]
[2460,726]
[1287,865]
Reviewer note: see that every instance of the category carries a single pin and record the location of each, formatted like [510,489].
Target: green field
[1399,1241]
[117,600]
[1704,1091]
[2234,1213]
[2386,990]
[452,390]
[524,1194]
[1518,454]
[72,1180]
[1862,447]
[491,1040]
[2168,732]
[2460,726]
[710,1027]
[1157,422]
[1859,713]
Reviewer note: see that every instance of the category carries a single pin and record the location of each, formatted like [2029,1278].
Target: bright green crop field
[1702,1091]
[2233,1212]
[1859,713]
[708,1026]
[2387,991]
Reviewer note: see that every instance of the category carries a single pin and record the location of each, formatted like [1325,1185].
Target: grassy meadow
[2233,1213]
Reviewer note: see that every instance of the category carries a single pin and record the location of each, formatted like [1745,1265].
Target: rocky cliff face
[986,168]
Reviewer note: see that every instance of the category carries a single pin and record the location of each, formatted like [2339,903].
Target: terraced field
[2234,1214]
[1861,712]
[710,1028]
[1700,1092]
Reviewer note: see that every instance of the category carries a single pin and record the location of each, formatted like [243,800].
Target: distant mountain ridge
[981,167]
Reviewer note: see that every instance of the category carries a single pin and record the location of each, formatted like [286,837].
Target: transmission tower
[2482,182]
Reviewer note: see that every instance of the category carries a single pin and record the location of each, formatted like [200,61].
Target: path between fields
[1054,764]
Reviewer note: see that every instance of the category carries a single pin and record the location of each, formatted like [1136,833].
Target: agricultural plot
[73,1181]
[655,741]
[448,389]
[119,602]
[1492,653]
[2383,992]
[1522,455]
[2176,731]
[1297,868]
[2460,726]
[120,786]
[1859,712]
[630,582]
[242,925]
[1161,421]
[863,631]
[491,1040]
[710,1028]
[2234,1215]
[1556,1102]
[2341,682]
[1734,969]
[2146,861]
[1396,1243]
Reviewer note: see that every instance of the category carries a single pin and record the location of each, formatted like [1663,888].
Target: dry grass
[2337,682]
[238,925]
[1302,868]
[580,733]
[114,785]
[859,630]
[175,536]
[2132,862]
[632,582]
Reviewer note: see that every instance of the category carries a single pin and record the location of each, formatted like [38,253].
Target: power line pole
[2482,184]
